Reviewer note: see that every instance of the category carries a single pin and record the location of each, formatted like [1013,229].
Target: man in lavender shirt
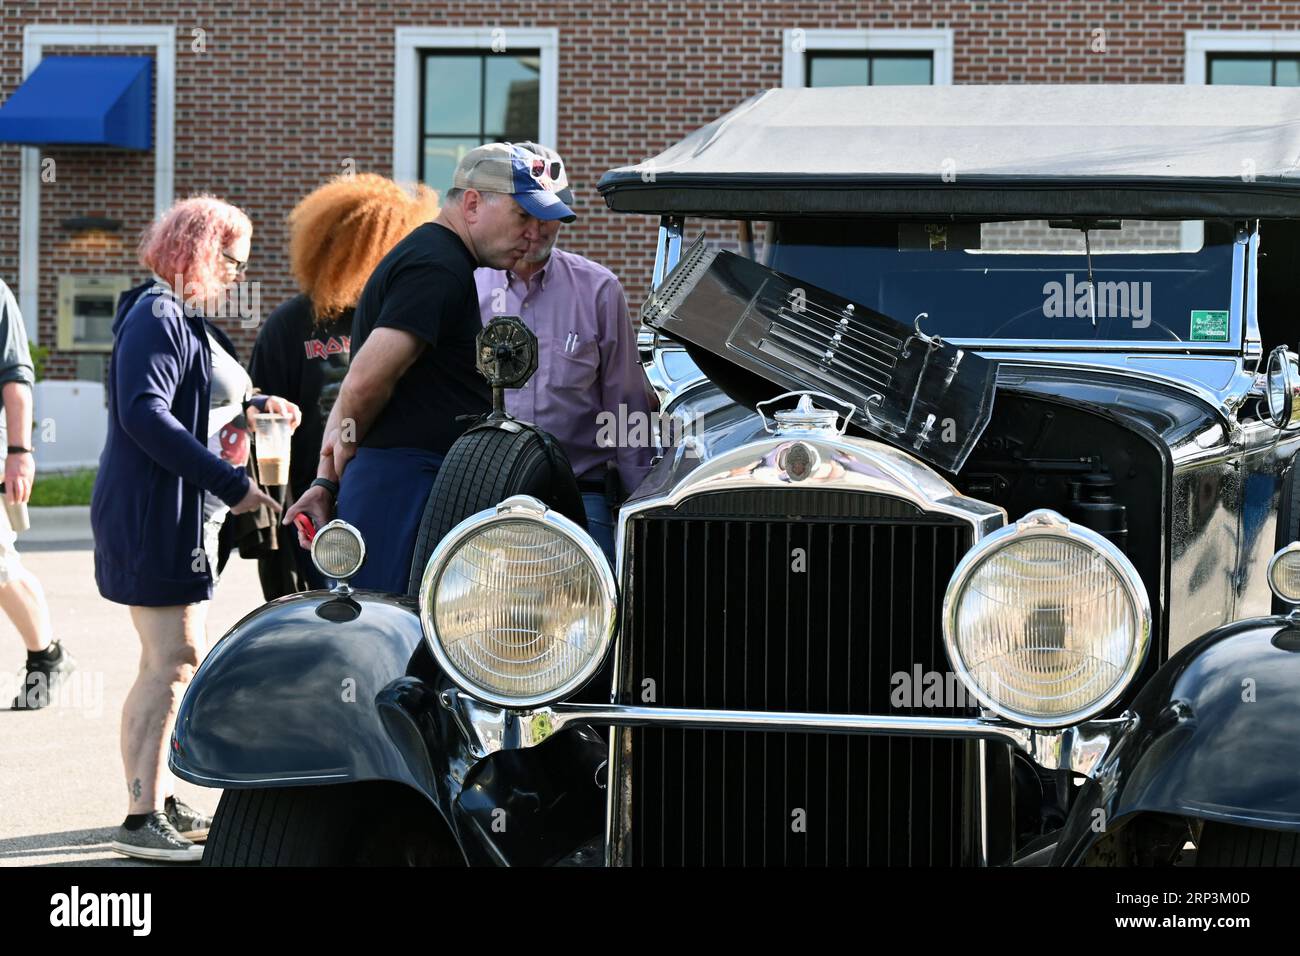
[587,363]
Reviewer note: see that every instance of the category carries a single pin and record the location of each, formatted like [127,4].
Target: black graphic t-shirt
[425,286]
[304,361]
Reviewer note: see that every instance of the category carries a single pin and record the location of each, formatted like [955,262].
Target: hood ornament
[806,416]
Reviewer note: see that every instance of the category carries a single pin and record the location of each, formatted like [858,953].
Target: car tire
[1288,521]
[344,825]
[486,465]
[1223,844]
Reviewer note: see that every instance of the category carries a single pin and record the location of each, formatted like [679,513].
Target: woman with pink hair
[173,466]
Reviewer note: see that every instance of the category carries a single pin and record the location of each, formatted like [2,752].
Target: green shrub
[70,489]
[39,354]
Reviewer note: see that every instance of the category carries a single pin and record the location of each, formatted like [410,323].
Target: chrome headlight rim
[335,524]
[1283,552]
[1283,371]
[1044,522]
[515,508]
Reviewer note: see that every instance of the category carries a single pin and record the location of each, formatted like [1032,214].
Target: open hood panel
[914,391]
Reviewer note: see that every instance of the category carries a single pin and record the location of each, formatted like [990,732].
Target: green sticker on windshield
[1209,325]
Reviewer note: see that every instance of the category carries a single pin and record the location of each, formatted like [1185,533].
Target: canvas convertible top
[1151,151]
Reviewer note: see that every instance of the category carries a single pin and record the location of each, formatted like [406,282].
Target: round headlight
[1282,388]
[1046,621]
[518,604]
[1276,391]
[1284,573]
[337,550]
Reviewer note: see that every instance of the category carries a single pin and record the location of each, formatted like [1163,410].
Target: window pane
[1241,72]
[1288,72]
[837,70]
[900,71]
[511,105]
[452,88]
[441,154]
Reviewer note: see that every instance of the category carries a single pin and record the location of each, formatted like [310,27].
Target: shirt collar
[539,276]
[543,275]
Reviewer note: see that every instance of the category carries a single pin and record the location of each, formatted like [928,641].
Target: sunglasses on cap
[539,166]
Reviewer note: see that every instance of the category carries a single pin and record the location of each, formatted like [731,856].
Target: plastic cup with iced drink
[16,512]
[272,431]
[18,517]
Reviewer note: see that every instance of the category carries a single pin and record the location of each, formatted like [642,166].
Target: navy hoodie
[146,510]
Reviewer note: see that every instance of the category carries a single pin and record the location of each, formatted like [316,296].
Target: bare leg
[173,641]
[23,599]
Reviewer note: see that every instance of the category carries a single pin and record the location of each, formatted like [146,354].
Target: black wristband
[331,486]
[19,450]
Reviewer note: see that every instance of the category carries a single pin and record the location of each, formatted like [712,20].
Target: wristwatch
[331,486]
[19,450]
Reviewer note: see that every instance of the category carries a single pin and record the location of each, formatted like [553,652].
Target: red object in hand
[305,526]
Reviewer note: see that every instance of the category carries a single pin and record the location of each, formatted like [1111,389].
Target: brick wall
[84,181]
[283,92]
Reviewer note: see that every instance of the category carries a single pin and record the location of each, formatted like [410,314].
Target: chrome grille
[718,614]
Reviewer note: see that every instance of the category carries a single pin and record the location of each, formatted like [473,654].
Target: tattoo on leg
[136,788]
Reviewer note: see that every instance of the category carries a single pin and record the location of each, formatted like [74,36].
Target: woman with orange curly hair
[172,467]
[337,235]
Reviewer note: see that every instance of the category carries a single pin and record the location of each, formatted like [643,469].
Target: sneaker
[38,679]
[157,839]
[188,822]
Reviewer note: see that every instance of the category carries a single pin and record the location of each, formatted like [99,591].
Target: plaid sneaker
[40,676]
[188,822]
[157,839]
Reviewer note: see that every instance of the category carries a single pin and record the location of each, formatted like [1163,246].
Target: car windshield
[1143,281]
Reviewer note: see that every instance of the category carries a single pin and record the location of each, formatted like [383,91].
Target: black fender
[319,689]
[1215,739]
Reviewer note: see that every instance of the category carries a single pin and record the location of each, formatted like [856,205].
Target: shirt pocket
[573,366]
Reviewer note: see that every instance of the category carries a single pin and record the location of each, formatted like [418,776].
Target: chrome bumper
[1080,748]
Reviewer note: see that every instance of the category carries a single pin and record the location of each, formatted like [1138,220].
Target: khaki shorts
[10,564]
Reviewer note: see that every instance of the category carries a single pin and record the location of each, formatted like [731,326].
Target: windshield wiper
[1084,225]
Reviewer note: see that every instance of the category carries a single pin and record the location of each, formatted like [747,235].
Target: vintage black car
[975,544]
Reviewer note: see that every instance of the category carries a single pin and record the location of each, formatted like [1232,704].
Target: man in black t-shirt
[412,372]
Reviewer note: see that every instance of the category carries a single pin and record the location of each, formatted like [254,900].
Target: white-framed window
[457,88]
[1242,57]
[36,37]
[815,57]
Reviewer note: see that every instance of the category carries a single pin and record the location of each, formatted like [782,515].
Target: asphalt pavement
[62,792]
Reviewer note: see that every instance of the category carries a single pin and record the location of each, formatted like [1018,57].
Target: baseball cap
[556,170]
[518,172]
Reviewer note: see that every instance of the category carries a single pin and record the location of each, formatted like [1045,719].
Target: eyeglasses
[241,265]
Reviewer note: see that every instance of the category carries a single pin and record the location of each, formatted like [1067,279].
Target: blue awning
[83,100]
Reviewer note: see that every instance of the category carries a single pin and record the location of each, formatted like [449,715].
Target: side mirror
[1282,389]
